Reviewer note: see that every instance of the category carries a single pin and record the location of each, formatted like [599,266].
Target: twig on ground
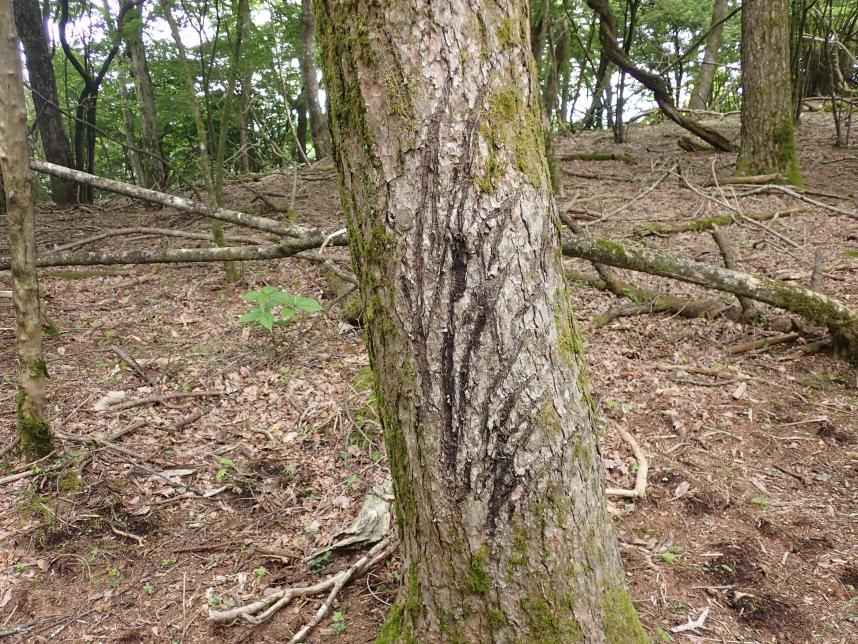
[639,491]
[158,398]
[136,367]
[692,625]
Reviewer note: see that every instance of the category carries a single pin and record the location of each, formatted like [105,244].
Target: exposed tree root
[262,609]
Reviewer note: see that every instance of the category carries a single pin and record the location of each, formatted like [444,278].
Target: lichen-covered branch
[828,312]
[286,248]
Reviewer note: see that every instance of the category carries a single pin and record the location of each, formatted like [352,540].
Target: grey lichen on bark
[437,134]
[33,427]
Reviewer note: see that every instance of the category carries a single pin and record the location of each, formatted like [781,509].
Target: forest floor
[752,504]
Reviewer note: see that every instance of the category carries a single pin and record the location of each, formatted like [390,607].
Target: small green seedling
[274,308]
[339,620]
[223,472]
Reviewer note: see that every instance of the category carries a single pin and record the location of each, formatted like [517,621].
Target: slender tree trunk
[318,124]
[244,118]
[232,272]
[768,136]
[55,141]
[33,428]
[603,80]
[490,433]
[154,172]
[702,91]
[130,135]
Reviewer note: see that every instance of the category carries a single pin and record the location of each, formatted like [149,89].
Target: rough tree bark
[435,117]
[154,172]
[702,91]
[768,133]
[33,428]
[318,123]
[55,141]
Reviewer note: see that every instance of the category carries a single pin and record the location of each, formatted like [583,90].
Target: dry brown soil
[752,503]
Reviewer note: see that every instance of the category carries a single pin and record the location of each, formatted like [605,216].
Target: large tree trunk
[55,141]
[318,123]
[154,172]
[768,137]
[33,429]
[702,91]
[437,132]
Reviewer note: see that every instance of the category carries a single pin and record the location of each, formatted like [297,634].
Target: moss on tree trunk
[437,132]
[768,133]
[33,428]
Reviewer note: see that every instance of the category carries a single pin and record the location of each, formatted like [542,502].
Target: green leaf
[251,296]
[308,304]
[251,316]
[266,320]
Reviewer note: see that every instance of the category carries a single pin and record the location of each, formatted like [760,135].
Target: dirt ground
[752,504]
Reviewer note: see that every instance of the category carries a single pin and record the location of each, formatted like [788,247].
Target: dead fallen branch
[755,180]
[159,398]
[143,230]
[762,343]
[261,610]
[645,301]
[311,238]
[841,322]
[164,199]
[598,156]
[708,223]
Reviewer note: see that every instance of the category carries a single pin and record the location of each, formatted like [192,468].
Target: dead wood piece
[648,302]
[159,398]
[286,248]
[708,223]
[144,230]
[136,367]
[762,343]
[818,271]
[639,491]
[598,156]
[755,180]
[841,322]
[690,145]
[730,262]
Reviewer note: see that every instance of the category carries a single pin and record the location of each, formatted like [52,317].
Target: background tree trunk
[55,141]
[480,377]
[154,172]
[702,92]
[318,123]
[34,430]
[768,136]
